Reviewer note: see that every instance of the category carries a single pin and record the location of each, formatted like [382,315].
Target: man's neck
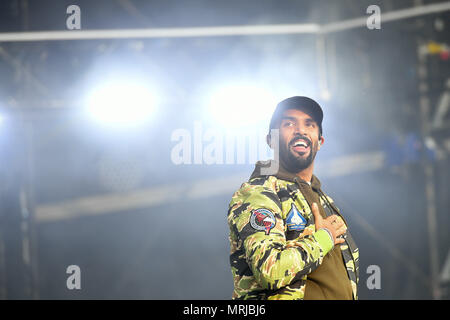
[306,174]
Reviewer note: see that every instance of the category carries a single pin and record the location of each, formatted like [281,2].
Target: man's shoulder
[260,190]
[254,188]
[261,183]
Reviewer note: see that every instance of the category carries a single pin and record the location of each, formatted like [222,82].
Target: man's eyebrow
[309,119]
[288,118]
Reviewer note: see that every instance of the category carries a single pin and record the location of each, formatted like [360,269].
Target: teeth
[300,143]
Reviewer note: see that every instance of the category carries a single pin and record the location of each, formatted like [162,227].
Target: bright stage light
[244,105]
[127,103]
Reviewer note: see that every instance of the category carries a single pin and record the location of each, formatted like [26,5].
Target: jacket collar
[285,175]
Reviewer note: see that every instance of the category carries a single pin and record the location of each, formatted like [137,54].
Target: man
[288,239]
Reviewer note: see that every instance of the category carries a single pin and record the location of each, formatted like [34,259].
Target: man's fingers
[316,213]
[341,230]
[335,221]
[339,225]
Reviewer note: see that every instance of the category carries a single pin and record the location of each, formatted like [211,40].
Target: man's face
[299,140]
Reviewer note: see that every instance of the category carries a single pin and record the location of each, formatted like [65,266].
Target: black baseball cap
[305,104]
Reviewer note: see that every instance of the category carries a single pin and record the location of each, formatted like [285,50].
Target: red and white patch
[262,220]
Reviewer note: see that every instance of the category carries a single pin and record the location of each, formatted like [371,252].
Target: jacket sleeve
[274,261]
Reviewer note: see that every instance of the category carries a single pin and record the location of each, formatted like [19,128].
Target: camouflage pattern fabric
[271,250]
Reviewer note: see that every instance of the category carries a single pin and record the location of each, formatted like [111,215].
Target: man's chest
[296,211]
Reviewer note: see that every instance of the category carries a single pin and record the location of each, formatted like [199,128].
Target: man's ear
[321,141]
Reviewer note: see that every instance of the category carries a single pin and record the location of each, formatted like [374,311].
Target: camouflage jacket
[266,261]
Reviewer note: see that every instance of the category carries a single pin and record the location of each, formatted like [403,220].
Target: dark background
[176,247]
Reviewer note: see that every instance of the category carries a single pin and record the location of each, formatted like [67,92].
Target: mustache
[294,140]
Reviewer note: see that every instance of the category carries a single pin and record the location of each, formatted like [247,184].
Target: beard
[295,162]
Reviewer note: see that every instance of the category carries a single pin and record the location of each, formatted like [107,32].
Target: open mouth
[300,145]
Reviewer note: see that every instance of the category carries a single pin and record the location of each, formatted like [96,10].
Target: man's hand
[332,223]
